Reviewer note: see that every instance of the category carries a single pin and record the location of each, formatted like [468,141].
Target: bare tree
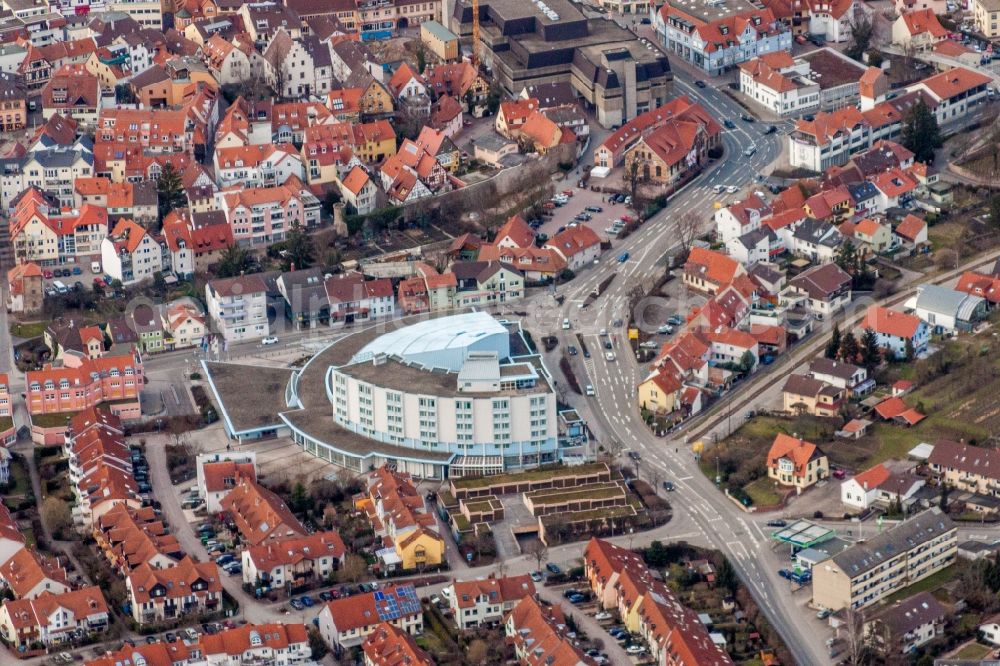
[688,226]
[635,173]
[539,551]
[857,643]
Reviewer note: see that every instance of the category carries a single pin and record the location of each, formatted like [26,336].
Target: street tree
[539,551]
[688,225]
[634,175]
[353,569]
[921,134]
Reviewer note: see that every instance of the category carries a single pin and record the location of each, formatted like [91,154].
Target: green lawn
[26,331]
[973,651]
[762,492]
[51,420]
[928,584]
[19,485]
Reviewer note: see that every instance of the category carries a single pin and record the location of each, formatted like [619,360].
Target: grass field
[928,584]
[973,651]
[762,492]
[27,331]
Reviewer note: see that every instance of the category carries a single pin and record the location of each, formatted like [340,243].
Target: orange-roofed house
[389,645]
[486,601]
[512,115]
[346,622]
[956,92]
[911,231]
[776,82]
[259,514]
[276,643]
[408,88]
[868,235]
[25,290]
[29,574]
[53,619]
[189,588]
[131,254]
[515,232]
[459,80]
[796,462]
[293,561]
[710,271]
[216,478]
[896,188]
[359,190]
[257,166]
[265,215]
[897,331]
[411,295]
[542,135]
[539,637]
[861,491]
[918,29]
[980,284]
[579,246]
[894,409]
[345,104]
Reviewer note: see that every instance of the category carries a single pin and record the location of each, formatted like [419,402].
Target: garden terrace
[562,527]
[578,498]
[536,479]
[483,509]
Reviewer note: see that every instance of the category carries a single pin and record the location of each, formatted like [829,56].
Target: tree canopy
[921,133]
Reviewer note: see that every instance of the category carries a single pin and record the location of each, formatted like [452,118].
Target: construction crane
[475,33]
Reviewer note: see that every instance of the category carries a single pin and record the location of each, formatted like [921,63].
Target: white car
[635,649]
[609,356]
[603,615]
[269,340]
[565,324]
[590,389]
[732,189]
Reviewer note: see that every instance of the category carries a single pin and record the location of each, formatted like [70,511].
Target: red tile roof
[259,514]
[175,582]
[954,82]
[517,231]
[292,550]
[389,645]
[892,323]
[919,21]
[799,451]
[873,477]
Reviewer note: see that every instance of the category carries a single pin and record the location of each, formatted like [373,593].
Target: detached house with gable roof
[293,561]
[895,329]
[796,462]
[710,271]
[54,619]
[346,623]
[259,514]
[131,254]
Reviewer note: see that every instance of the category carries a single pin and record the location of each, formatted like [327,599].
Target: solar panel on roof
[379,596]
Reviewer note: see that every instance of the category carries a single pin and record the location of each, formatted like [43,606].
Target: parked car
[675,319]
[594,209]
[665,329]
[603,615]
[191,633]
[839,474]
[776,523]
[823,613]
[571,350]
[325,595]
[577,599]
[307,601]
[700,83]
[553,568]
[635,649]
[296,604]
[269,340]
[170,637]
[785,573]
[536,576]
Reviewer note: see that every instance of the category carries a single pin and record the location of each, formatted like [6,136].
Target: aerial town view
[494,332]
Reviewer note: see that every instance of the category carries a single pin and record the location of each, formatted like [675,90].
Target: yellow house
[868,235]
[420,548]
[658,393]
[796,462]
[376,100]
[807,395]
[373,142]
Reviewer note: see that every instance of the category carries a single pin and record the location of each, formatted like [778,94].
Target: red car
[568,193]
[47,274]
[548,205]
[100,282]
[839,474]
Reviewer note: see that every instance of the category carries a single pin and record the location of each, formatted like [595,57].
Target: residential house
[742,217]
[184,324]
[28,575]
[907,624]
[237,308]
[897,332]
[710,271]
[809,395]
[195,240]
[816,240]
[130,254]
[486,601]
[83,382]
[54,619]
[352,298]
[148,327]
[186,589]
[852,378]
[539,634]
[947,310]
[868,235]
[965,467]
[218,473]
[359,190]
[824,290]
[259,514]
[346,623]
[255,166]
[388,645]
[265,215]
[954,93]
[579,246]
[911,232]
[293,561]
[917,30]
[980,284]
[796,462]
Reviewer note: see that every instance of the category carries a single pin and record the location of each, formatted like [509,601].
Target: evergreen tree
[911,353]
[921,133]
[847,257]
[833,347]
[849,348]
[169,190]
[871,353]
[299,249]
[235,261]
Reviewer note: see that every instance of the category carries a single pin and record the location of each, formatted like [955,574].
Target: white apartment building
[487,601]
[146,13]
[237,308]
[131,254]
[867,572]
